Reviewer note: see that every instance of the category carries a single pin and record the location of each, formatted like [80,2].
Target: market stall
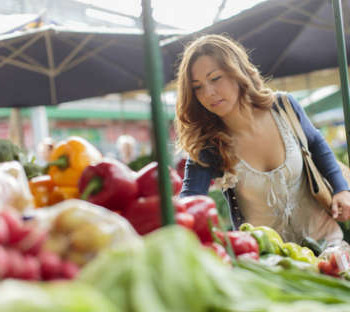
[86,233]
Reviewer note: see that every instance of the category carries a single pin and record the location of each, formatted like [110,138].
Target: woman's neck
[242,120]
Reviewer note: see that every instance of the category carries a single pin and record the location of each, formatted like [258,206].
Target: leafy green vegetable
[20,296]
[172,271]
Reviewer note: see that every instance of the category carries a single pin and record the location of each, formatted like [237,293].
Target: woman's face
[214,89]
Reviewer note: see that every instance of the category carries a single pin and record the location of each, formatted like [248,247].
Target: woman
[226,120]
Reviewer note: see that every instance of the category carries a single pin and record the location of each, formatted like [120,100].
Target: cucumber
[316,247]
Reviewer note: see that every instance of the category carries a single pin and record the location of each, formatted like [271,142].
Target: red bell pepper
[241,242]
[144,213]
[109,183]
[203,209]
[185,219]
[147,179]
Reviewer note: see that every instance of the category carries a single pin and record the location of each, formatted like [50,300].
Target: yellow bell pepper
[299,253]
[69,158]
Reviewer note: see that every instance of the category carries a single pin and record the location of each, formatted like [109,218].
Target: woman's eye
[216,78]
[196,88]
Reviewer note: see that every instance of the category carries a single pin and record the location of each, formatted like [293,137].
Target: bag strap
[290,116]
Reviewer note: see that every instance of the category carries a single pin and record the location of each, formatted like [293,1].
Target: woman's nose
[209,90]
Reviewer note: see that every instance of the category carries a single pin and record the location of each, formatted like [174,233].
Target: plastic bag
[339,255]
[79,230]
[14,187]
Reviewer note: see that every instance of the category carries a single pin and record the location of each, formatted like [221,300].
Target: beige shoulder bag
[319,186]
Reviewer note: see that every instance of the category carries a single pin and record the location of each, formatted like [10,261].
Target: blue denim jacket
[197,178]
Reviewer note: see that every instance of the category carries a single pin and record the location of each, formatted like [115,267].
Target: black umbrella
[51,65]
[284,37]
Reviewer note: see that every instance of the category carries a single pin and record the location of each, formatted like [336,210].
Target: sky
[190,15]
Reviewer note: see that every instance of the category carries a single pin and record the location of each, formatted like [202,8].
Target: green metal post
[154,74]
[343,67]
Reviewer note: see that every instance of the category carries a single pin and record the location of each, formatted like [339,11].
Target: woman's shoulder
[294,103]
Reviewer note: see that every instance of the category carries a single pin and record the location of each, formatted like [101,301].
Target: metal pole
[343,67]
[154,76]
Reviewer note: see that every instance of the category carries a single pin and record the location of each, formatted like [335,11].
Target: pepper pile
[113,185]
[144,213]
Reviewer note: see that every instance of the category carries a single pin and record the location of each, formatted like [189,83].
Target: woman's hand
[341,206]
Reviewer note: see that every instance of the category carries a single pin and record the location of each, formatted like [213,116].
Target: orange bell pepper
[45,193]
[69,158]
[60,193]
[41,188]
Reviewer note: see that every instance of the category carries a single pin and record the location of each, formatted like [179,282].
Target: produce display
[84,233]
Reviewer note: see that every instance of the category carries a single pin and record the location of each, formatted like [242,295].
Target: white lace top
[280,198]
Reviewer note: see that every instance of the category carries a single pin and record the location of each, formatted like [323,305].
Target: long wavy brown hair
[196,127]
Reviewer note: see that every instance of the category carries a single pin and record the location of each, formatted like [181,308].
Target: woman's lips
[217,103]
